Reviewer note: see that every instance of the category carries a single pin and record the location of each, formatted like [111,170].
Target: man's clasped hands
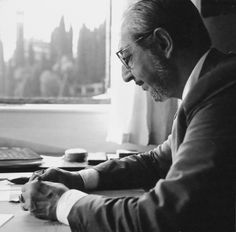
[45,187]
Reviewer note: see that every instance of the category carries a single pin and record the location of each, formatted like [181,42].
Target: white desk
[23,221]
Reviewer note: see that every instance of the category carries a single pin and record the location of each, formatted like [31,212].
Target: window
[54,51]
[58,51]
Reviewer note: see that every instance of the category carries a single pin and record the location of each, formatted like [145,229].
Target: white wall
[52,129]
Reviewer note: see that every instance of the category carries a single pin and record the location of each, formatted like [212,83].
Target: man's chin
[157,97]
[160,99]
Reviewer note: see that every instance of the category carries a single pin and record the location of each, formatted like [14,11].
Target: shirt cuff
[90,177]
[65,204]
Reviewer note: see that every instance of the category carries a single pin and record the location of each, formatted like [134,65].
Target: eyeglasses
[125,59]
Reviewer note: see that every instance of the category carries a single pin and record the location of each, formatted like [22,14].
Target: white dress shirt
[69,198]
[91,176]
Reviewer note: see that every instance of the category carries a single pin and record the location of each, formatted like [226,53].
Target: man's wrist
[76,181]
[65,204]
[90,178]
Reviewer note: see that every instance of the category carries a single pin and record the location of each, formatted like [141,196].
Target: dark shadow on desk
[48,161]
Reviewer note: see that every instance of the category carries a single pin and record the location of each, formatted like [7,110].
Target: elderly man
[190,178]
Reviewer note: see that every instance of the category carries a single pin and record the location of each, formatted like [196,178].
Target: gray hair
[180,18]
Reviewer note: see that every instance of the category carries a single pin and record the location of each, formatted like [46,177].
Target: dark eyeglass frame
[120,52]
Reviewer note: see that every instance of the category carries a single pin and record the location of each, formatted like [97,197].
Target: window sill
[54,127]
[93,108]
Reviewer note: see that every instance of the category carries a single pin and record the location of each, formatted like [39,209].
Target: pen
[18,180]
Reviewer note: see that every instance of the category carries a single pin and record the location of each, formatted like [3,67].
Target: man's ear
[164,40]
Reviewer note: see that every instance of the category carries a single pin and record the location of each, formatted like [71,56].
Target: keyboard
[18,153]
[19,157]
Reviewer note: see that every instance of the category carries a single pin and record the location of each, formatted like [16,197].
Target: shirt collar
[193,78]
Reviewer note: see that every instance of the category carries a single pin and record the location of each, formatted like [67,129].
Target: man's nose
[126,74]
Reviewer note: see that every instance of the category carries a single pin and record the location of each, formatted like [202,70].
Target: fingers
[26,202]
[30,195]
[41,209]
[51,174]
[37,174]
[22,201]
[29,190]
[41,197]
[29,186]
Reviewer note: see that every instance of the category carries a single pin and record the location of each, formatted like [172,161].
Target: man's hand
[69,179]
[41,198]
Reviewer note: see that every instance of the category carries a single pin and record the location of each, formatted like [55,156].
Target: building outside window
[54,51]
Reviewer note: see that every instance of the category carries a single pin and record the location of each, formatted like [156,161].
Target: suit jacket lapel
[213,58]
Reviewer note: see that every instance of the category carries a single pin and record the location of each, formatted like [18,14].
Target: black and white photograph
[118,115]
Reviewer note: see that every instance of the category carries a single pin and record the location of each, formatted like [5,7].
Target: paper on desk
[9,192]
[4,218]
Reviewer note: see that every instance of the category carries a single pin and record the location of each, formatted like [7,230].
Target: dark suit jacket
[190,177]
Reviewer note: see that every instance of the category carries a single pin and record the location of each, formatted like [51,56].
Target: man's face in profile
[149,68]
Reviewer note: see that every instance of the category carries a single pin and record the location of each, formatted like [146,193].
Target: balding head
[180,18]
[161,42]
